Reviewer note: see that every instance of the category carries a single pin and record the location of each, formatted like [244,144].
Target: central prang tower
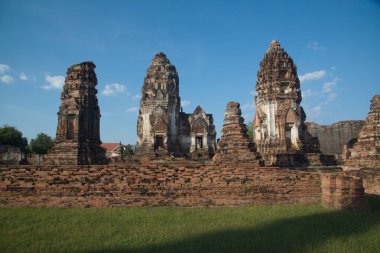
[160,104]
[279,119]
[163,129]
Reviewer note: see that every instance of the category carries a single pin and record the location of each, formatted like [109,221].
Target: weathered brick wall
[164,185]
[333,137]
[341,191]
[371,179]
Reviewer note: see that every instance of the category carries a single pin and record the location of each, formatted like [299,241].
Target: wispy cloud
[332,96]
[315,112]
[113,89]
[4,68]
[309,93]
[328,86]
[136,97]
[248,111]
[248,117]
[23,77]
[314,45]
[248,106]
[326,94]
[311,76]
[253,92]
[53,82]
[185,103]
[133,109]
[6,79]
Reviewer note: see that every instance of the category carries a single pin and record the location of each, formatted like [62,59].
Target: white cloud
[328,86]
[253,92]
[327,94]
[4,68]
[314,112]
[312,76]
[136,97]
[113,89]
[314,45]
[247,118]
[23,77]
[54,82]
[309,93]
[6,79]
[185,103]
[248,111]
[332,96]
[133,109]
[248,107]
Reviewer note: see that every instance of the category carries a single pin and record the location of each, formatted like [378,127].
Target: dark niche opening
[158,142]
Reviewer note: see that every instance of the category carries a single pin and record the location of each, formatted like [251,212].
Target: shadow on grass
[298,234]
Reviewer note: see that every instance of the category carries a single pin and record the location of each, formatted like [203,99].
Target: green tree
[250,130]
[129,149]
[42,144]
[9,135]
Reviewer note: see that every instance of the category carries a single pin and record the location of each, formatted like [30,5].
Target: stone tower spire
[157,125]
[78,137]
[277,77]
[234,145]
[366,151]
[279,118]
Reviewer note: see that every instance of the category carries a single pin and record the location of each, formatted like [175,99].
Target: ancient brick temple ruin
[280,133]
[365,150]
[78,139]
[234,145]
[162,128]
[283,165]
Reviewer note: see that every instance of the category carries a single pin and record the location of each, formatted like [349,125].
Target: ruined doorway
[198,142]
[158,142]
[288,134]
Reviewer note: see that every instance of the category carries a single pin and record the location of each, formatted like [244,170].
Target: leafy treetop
[42,144]
[10,135]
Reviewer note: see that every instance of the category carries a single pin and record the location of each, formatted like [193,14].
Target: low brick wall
[155,185]
[371,179]
[340,191]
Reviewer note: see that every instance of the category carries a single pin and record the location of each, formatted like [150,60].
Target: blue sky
[216,47]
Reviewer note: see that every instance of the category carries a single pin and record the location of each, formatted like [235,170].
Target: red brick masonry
[156,185]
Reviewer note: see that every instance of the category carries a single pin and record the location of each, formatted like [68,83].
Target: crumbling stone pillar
[343,192]
[234,145]
[78,135]
[365,152]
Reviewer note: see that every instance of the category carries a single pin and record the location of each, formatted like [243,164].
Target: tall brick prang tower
[78,136]
[163,129]
[279,119]
[157,125]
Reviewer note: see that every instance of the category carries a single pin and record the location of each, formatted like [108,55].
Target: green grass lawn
[244,229]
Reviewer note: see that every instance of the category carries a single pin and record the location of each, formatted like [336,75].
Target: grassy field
[245,229]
